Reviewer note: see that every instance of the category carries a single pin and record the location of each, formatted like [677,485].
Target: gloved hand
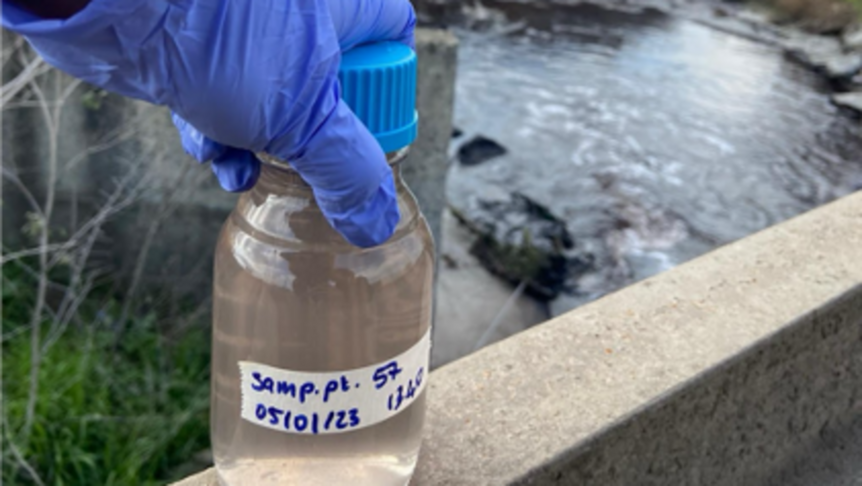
[244,76]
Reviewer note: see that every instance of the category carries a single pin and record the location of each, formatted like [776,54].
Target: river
[655,138]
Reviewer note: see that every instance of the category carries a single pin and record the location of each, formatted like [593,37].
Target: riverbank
[824,35]
[829,17]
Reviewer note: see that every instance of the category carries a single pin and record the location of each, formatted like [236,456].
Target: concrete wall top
[505,413]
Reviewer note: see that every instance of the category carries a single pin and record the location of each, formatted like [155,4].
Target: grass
[131,414]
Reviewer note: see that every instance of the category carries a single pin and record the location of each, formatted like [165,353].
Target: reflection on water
[656,139]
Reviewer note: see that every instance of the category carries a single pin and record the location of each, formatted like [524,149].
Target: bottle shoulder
[275,237]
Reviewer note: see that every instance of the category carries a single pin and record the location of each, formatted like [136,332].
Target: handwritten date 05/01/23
[314,422]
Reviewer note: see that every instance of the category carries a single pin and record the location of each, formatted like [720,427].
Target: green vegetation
[820,16]
[110,411]
[856,3]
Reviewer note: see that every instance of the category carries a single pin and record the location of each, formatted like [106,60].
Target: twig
[165,209]
[33,273]
[16,332]
[92,230]
[486,336]
[7,52]
[17,105]
[105,212]
[95,222]
[14,179]
[62,321]
[39,250]
[109,141]
[35,322]
[22,462]
[179,327]
[31,71]
[67,92]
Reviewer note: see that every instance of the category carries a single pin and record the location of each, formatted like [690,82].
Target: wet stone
[812,50]
[852,101]
[843,66]
[852,39]
[479,149]
[520,240]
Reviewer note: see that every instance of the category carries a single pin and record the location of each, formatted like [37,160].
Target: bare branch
[35,275]
[9,51]
[489,332]
[31,71]
[112,141]
[178,327]
[51,120]
[67,92]
[31,200]
[49,322]
[19,458]
[112,207]
[25,104]
[15,332]
[39,250]
[62,323]
[166,207]
[71,300]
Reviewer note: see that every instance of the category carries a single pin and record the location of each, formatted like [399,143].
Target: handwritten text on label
[333,402]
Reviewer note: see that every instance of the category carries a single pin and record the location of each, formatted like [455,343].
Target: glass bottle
[320,348]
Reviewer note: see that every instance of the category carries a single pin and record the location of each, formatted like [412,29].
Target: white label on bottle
[302,402]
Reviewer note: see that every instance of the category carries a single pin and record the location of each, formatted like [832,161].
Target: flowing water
[655,138]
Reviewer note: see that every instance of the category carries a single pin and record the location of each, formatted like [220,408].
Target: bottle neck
[281,206]
[279,178]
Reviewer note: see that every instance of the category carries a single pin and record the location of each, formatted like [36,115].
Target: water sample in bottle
[320,348]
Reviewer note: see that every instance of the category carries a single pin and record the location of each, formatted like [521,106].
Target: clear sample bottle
[320,348]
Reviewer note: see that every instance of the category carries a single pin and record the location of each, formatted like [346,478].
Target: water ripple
[685,137]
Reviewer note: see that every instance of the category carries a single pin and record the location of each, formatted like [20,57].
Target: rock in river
[843,66]
[479,149]
[852,100]
[522,241]
[827,55]
[852,39]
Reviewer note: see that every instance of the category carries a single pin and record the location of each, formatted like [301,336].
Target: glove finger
[351,180]
[363,21]
[195,143]
[237,170]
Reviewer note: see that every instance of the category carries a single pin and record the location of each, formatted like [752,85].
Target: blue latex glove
[244,76]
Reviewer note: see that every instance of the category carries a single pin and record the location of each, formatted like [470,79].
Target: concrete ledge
[425,172]
[717,372]
[712,373]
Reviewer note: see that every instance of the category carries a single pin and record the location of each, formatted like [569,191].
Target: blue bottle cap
[378,82]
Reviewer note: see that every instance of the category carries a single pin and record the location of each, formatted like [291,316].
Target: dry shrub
[821,16]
